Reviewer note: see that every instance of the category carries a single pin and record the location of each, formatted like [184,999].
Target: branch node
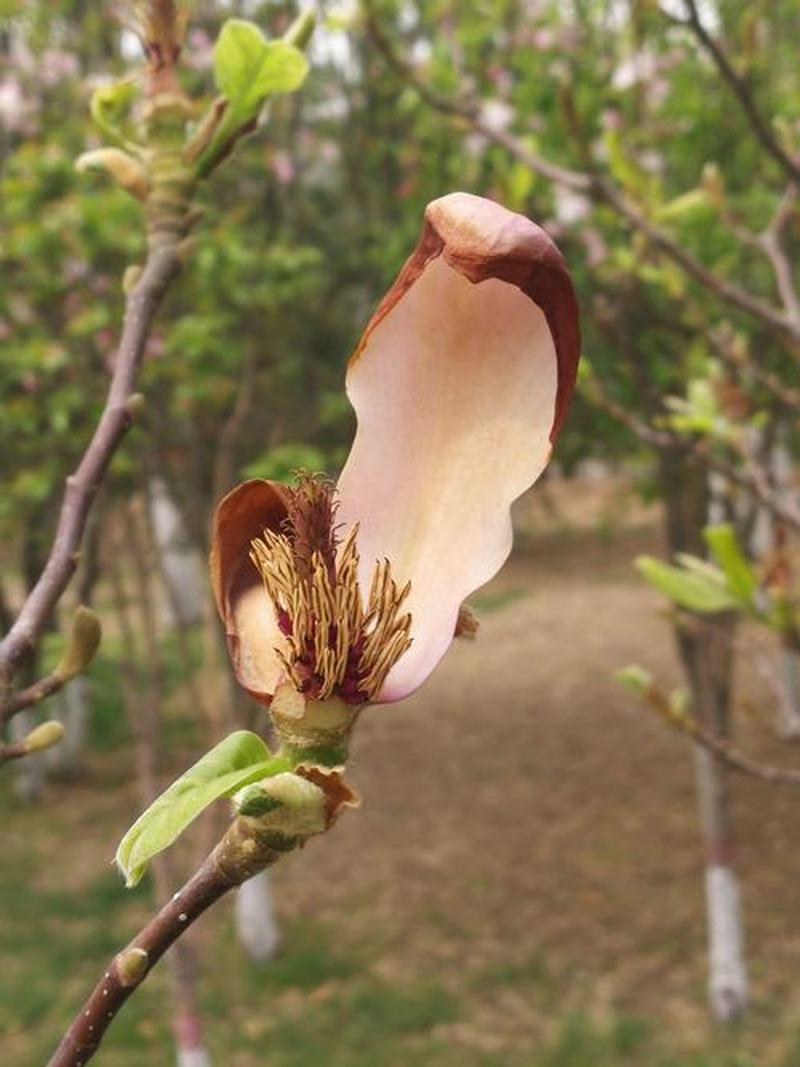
[132,966]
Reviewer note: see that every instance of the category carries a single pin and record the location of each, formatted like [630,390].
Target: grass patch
[366,1024]
[581,1042]
[307,962]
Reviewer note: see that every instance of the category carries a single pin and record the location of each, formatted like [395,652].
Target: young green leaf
[238,760]
[248,68]
[742,581]
[687,588]
[109,107]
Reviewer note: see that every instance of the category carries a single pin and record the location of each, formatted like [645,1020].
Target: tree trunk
[256,927]
[788,719]
[764,541]
[143,685]
[179,560]
[29,773]
[72,707]
[705,650]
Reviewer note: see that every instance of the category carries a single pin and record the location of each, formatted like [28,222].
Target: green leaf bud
[636,678]
[132,965]
[82,644]
[44,736]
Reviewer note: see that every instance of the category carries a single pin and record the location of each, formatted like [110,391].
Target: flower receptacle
[313,730]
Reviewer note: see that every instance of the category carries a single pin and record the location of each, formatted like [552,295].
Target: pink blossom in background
[282,166]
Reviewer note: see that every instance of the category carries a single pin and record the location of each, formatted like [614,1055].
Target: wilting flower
[460,383]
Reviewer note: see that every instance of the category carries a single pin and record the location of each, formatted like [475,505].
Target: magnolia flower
[460,384]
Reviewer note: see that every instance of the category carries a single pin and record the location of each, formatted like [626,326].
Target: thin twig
[752,479]
[731,756]
[32,694]
[758,123]
[131,966]
[771,241]
[737,358]
[13,750]
[163,264]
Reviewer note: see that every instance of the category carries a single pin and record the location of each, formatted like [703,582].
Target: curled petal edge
[244,607]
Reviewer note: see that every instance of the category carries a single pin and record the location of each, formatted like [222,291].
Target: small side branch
[600,188]
[750,477]
[721,748]
[741,90]
[13,750]
[32,694]
[43,736]
[236,858]
[163,264]
[771,241]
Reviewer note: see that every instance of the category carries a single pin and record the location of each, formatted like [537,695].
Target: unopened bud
[132,966]
[679,703]
[82,644]
[135,405]
[713,184]
[635,678]
[131,276]
[126,171]
[44,736]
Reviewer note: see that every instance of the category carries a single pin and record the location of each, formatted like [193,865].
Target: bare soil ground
[523,807]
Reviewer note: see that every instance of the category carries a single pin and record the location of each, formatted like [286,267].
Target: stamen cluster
[336,644]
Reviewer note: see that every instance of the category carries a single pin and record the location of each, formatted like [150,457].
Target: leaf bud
[82,644]
[44,736]
[135,405]
[636,678]
[130,277]
[132,966]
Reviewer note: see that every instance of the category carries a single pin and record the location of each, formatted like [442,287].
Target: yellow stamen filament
[331,631]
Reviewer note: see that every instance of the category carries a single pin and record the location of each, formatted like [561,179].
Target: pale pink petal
[460,383]
[250,625]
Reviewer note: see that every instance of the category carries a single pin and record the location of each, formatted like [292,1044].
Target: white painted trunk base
[256,925]
[183,569]
[73,708]
[29,773]
[727,976]
[789,706]
[193,1057]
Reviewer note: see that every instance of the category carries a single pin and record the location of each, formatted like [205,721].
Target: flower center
[335,644]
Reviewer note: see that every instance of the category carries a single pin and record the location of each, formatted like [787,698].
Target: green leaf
[689,589]
[248,68]
[701,566]
[727,552]
[110,105]
[238,760]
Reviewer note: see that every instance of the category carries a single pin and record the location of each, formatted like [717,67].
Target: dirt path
[523,815]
